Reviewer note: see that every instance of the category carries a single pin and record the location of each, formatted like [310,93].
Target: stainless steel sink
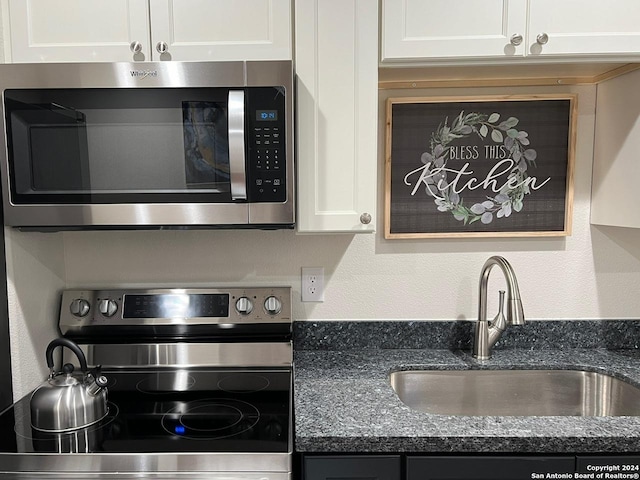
[516,392]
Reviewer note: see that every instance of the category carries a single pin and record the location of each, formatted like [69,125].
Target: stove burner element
[163,382]
[243,384]
[211,419]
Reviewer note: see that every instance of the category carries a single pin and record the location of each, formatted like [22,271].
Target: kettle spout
[96,381]
[94,389]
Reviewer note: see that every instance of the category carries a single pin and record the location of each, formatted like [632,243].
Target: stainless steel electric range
[199,387]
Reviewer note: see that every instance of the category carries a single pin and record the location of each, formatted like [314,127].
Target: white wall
[593,274]
[586,275]
[35,276]
[3,15]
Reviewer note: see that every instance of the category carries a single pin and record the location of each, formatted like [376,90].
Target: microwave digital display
[266,115]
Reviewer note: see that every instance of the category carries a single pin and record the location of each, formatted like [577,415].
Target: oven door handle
[237,168]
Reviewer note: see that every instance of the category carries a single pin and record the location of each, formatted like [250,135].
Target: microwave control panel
[267,166]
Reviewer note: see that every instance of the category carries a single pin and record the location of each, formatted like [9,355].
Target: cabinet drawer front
[352,467]
[486,468]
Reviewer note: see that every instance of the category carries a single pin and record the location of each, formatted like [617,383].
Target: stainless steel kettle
[68,401]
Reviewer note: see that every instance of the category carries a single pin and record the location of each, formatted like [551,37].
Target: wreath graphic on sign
[510,198]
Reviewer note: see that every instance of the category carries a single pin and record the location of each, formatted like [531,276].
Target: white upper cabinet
[418,30]
[436,29]
[77,30]
[221,29]
[616,166]
[139,30]
[584,27]
[337,110]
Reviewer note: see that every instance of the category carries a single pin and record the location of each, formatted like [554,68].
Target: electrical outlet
[312,284]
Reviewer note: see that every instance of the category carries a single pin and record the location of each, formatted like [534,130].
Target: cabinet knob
[365,219]
[162,47]
[516,39]
[542,38]
[136,47]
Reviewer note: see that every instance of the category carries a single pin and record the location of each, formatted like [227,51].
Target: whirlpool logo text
[142,74]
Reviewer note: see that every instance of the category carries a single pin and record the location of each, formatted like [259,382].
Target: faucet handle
[499,321]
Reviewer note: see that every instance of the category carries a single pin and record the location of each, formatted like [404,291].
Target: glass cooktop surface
[222,410]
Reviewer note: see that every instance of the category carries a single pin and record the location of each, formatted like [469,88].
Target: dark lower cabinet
[469,467]
[352,467]
[608,466]
[489,468]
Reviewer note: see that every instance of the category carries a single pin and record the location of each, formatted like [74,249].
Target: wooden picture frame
[481,166]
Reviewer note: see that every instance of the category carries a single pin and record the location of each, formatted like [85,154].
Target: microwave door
[44,131]
[237,163]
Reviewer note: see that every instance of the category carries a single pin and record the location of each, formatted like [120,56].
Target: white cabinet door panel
[437,29]
[616,166]
[222,29]
[337,71]
[78,30]
[585,27]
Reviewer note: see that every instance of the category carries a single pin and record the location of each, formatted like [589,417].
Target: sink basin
[516,392]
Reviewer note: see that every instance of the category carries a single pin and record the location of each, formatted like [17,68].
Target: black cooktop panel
[218,410]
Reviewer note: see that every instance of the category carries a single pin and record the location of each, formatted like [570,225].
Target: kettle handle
[65,342]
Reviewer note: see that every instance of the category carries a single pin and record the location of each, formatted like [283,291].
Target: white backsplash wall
[35,276]
[3,21]
[587,275]
[593,274]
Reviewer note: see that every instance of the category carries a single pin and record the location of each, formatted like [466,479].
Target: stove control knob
[244,306]
[272,305]
[107,307]
[79,307]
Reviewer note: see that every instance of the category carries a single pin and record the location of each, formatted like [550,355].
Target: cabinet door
[584,27]
[489,467]
[379,467]
[441,29]
[78,30]
[337,93]
[221,30]
[616,170]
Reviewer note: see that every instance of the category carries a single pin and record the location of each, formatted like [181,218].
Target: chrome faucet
[488,333]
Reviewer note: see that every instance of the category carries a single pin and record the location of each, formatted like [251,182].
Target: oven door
[162,155]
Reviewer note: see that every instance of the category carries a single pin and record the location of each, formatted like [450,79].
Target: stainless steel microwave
[147,145]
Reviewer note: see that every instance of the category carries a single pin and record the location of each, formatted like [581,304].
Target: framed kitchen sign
[494,166]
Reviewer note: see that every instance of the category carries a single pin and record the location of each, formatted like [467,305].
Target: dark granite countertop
[344,403]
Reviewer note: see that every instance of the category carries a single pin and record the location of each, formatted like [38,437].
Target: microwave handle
[236,145]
